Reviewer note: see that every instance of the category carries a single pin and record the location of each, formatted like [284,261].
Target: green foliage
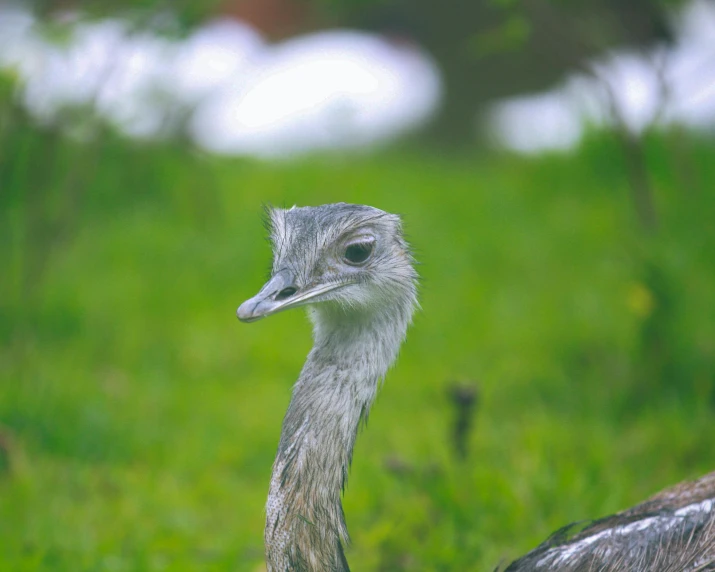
[510,35]
[139,418]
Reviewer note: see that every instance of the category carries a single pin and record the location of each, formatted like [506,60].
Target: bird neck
[305,524]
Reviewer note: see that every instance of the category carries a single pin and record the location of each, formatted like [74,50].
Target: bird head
[339,257]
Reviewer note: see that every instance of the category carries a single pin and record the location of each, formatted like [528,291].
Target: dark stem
[465,398]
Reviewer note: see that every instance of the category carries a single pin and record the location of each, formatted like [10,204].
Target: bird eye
[358,252]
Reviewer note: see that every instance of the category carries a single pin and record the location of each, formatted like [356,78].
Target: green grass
[139,418]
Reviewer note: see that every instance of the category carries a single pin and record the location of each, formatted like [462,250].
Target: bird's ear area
[398,234]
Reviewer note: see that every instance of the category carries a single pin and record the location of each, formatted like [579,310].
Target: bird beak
[278,294]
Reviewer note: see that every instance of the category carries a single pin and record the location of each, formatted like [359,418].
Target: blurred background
[554,163]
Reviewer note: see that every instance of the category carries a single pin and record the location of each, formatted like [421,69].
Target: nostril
[286,293]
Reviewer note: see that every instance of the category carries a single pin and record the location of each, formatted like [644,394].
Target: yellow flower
[640,300]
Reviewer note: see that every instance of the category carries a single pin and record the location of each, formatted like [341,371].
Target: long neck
[305,524]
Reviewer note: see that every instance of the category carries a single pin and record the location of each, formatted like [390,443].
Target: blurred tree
[497,48]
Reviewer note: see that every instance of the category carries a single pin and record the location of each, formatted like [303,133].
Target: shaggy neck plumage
[305,525]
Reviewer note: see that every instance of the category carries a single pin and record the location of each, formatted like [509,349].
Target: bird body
[673,531]
[352,268]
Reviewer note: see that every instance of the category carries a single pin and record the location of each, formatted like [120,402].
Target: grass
[139,418]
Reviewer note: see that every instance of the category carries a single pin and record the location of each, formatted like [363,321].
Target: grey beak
[276,294]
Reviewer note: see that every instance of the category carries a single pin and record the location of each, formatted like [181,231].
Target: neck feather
[305,524]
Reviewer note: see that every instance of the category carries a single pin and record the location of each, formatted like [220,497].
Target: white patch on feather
[561,555]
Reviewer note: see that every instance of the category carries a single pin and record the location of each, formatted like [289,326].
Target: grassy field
[140,418]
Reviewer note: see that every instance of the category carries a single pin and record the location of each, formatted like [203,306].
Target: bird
[352,268]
